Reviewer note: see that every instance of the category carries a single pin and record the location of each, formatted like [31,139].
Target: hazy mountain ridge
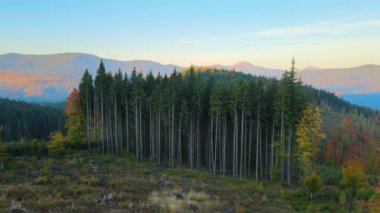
[361,79]
[50,77]
[71,65]
[249,68]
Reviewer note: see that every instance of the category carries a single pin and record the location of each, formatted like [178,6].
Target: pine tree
[100,90]
[86,91]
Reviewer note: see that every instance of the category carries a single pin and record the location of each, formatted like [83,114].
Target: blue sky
[323,33]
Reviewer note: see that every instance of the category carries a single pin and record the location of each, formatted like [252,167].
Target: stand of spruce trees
[25,121]
[221,121]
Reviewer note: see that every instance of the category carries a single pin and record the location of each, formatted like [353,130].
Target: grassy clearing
[84,181]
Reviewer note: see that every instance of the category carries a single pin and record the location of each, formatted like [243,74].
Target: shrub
[353,176]
[18,192]
[330,193]
[261,188]
[342,198]
[59,180]
[48,203]
[38,148]
[180,201]
[25,148]
[282,193]
[330,175]
[3,156]
[365,193]
[312,183]
[56,145]
[42,180]
[372,180]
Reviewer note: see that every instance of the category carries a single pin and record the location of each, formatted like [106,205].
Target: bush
[312,183]
[365,193]
[330,193]
[3,156]
[353,177]
[342,198]
[18,192]
[25,148]
[330,174]
[56,145]
[38,148]
[372,180]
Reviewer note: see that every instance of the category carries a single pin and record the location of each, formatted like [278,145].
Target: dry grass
[182,201]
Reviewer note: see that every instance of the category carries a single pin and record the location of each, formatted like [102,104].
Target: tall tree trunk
[127,124]
[282,146]
[102,109]
[216,138]
[224,145]
[159,137]
[116,133]
[266,151]
[289,155]
[198,138]
[137,152]
[257,142]
[140,136]
[172,136]
[179,152]
[87,122]
[191,143]
[250,146]
[272,152]
[236,129]
[150,134]
[211,144]
[241,141]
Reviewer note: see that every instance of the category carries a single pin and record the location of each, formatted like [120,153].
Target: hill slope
[49,78]
[28,121]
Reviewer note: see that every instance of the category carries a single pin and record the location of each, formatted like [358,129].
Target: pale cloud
[321,28]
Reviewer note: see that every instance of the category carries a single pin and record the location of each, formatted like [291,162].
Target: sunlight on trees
[56,145]
[309,135]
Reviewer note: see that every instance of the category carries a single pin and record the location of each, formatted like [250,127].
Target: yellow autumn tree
[56,145]
[353,176]
[309,134]
[312,183]
[75,122]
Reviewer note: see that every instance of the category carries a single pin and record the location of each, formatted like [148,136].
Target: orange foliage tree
[75,123]
[353,176]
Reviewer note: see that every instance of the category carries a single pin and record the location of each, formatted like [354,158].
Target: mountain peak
[242,62]
[310,68]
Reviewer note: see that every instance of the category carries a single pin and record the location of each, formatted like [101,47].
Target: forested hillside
[216,120]
[199,140]
[28,121]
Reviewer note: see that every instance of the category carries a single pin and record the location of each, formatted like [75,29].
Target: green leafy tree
[353,176]
[309,135]
[312,183]
[56,145]
[76,119]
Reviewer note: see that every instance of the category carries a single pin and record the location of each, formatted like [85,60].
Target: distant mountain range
[41,78]
[49,78]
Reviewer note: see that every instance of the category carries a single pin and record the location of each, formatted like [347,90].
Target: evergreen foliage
[26,121]
[221,121]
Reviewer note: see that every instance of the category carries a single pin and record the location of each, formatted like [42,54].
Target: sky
[322,33]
